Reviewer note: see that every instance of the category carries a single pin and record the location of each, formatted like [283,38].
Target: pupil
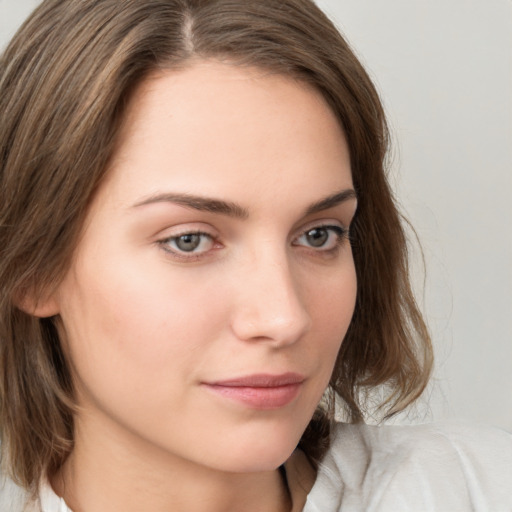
[188,242]
[317,237]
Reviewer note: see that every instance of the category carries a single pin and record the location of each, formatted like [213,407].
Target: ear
[37,304]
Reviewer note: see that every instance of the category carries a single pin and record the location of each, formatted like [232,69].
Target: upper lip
[261,380]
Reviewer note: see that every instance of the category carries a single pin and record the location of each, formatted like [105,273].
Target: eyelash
[184,255]
[341,234]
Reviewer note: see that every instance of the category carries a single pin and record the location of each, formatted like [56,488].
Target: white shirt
[425,468]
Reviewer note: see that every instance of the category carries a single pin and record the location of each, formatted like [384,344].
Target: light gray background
[444,70]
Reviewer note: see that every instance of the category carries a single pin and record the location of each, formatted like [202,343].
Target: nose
[267,304]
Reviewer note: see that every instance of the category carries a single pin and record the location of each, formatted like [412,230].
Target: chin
[257,448]
[255,461]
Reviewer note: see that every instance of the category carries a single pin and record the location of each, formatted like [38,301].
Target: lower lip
[258,397]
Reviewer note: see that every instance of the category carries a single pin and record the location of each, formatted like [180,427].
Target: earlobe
[37,304]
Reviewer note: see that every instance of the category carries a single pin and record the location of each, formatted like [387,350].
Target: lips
[259,391]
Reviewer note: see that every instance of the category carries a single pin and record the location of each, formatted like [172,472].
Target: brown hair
[65,80]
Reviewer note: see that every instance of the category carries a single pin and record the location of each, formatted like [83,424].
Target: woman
[201,256]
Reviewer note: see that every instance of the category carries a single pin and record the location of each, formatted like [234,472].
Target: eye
[323,238]
[188,243]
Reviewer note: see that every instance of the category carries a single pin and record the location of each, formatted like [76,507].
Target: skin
[145,324]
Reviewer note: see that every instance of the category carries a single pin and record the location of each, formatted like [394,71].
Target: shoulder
[14,498]
[436,467]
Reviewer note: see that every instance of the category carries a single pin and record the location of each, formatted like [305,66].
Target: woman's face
[214,281]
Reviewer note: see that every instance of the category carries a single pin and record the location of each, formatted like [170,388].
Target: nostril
[281,322]
[268,303]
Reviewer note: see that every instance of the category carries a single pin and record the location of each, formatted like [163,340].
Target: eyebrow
[331,201]
[203,204]
[211,205]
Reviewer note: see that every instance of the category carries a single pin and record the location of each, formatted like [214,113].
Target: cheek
[331,304]
[331,301]
[127,328]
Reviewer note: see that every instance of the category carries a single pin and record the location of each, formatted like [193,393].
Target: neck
[120,473]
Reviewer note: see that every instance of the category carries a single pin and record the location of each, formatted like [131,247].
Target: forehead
[220,129]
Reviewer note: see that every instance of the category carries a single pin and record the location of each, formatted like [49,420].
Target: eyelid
[184,228]
[322,223]
[165,236]
[342,233]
